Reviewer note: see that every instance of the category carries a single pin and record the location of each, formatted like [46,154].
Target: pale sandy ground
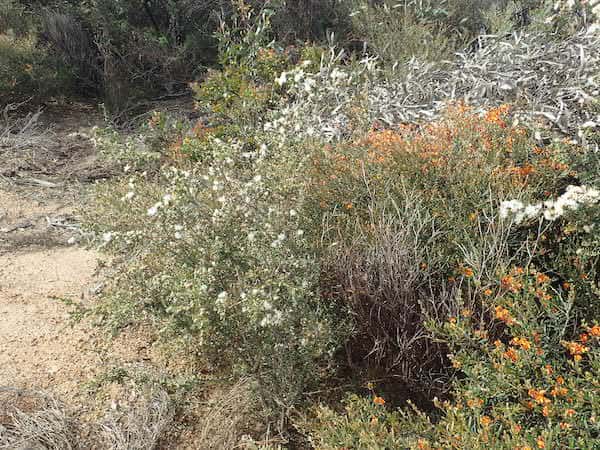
[43,262]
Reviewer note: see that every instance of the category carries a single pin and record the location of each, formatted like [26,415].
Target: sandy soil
[41,264]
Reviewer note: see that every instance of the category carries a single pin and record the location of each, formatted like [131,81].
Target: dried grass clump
[544,79]
[20,133]
[141,426]
[34,420]
[227,417]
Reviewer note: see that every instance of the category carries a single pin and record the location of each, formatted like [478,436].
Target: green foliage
[533,385]
[26,70]
[397,32]
[236,281]
[14,18]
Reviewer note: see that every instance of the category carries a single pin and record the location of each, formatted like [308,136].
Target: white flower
[178,235]
[167,198]
[154,209]
[222,298]
[282,79]
[510,207]
[107,237]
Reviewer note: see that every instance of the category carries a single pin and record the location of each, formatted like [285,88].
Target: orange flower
[508,282]
[485,421]
[539,396]
[583,337]
[548,369]
[569,412]
[566,285]
[379,401]
[423,444]
[467,272]
[503,314]
[474,403]
[546,411]
[521,342]
[595,331]
[559,392]
[565,426]
[542,278]
[575,349]
[487,292]
[541,443]
[511,354]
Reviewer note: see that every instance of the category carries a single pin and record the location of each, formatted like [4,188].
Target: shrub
[397,32]
[226,264]
[14,19]
[28,71]
[532,383]
[412,219]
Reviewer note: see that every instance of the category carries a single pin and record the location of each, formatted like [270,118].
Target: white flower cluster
[574,198]
[323,104]
[321,100]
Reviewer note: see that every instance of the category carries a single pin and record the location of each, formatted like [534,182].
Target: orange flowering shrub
[410,212]
[536,384]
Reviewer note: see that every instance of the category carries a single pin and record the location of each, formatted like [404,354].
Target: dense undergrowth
[392,249]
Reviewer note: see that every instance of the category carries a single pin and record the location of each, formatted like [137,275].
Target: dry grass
[141,426]
[31,420]
[34,420]
[19,133]
[227,417]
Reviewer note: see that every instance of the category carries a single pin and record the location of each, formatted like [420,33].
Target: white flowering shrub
[225,263]
[556,82]
[574,198]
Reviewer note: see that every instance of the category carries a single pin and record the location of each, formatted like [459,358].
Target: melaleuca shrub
[225,263]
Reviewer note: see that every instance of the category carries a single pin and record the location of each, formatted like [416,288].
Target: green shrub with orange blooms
[412,221]
[531,381]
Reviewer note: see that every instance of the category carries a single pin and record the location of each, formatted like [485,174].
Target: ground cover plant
[383,247]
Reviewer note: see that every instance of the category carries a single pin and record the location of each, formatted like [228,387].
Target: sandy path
[38,347]
[41,347]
